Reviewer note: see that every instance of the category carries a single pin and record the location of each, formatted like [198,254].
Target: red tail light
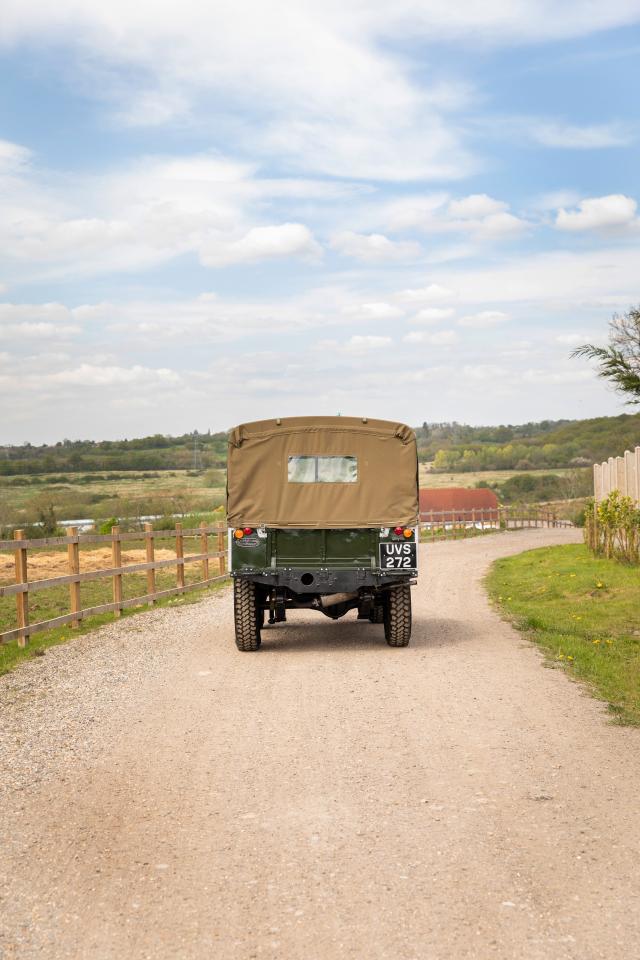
[398,531]
[247,531]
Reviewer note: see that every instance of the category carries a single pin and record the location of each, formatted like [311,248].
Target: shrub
[612,527]
[105,528]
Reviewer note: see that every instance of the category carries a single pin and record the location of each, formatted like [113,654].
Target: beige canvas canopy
[320,472]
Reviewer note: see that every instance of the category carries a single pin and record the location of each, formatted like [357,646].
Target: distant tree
[619,361]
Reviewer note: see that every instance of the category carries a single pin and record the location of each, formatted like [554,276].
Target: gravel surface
[164,796]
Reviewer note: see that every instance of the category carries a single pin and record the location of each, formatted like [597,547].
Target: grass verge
[11,654]
[584,613]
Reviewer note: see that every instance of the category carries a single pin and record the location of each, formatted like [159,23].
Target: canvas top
[322,472]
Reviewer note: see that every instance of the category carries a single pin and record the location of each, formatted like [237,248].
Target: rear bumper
[326,579]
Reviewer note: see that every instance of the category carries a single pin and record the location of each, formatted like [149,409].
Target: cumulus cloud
[369,342]
[476,206]
[478,215]
[613,212]
[91,375]
[441,338]
[262,243]
[483,319]
[373,247]
[430,315]
[144,215]
[433,292]
[374,311]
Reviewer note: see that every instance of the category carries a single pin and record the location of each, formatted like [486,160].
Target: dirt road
[164,796]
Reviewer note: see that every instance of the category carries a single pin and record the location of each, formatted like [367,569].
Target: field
[99,496]
[583,612]
[438,480]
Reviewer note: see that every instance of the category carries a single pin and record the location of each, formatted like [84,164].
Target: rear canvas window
[323,469]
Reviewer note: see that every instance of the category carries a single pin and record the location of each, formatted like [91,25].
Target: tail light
[398,531]
[408,532]
[247,531]
[238,534]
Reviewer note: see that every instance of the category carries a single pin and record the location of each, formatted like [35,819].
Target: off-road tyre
[246,615]
[397,616]
[377,614]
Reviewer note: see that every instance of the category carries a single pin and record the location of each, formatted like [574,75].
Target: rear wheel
[397,619]
[246,615]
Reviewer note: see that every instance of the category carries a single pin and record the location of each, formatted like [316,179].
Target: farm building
[459,503]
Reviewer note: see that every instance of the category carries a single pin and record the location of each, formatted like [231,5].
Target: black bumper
[326,580]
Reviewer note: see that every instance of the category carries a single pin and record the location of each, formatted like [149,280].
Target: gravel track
[164,796]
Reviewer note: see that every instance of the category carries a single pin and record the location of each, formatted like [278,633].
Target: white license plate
[398,556]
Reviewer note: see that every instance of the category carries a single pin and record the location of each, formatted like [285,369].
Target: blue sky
[219,212]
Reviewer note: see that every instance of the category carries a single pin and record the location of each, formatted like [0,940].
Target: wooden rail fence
[618,473]
[436,525]
[22,588]
[462,523]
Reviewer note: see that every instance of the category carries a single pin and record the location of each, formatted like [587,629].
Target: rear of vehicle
[322,515]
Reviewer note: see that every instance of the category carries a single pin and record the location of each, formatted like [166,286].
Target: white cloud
[373,247]
[568,136]
[606,278]
[570,339]
[613,212]
[441,338]
[154,210]
[369,342]
[431,315]
[417,211]
[483,371]
[476,206]
[261,243]
[434,292]
[478,215]
[374,311]
[90,375]
[483,319]
[38,331]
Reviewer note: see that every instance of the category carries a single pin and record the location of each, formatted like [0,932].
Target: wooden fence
[463,523]
[23,587]
[435,525]
[618,473]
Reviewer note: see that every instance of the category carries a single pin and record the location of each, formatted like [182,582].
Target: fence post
[73,553]
[116,557]
[179,555]
[204,548]
[151,558]
[22,599]
[222,565]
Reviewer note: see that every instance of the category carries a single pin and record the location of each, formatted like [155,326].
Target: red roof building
[459,503]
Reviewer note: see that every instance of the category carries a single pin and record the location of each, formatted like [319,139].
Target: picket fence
[618,473]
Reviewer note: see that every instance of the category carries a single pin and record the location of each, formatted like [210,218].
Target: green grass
[451,479]
[99,495]
[584,613]
[11,654]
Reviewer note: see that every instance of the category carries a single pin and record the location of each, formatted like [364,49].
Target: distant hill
[448,446]
[158,452]
[548,444]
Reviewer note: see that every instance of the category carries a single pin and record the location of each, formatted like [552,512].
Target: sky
[227,211]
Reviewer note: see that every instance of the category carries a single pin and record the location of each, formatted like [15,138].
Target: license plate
[398,556]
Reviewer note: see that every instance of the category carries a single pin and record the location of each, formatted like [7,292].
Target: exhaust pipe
[331,599]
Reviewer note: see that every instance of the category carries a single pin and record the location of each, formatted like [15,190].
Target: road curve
[163,796]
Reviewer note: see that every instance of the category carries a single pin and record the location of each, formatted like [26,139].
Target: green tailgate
[307,548]
[324,548]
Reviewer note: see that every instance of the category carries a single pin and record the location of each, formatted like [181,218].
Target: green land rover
[323,515]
